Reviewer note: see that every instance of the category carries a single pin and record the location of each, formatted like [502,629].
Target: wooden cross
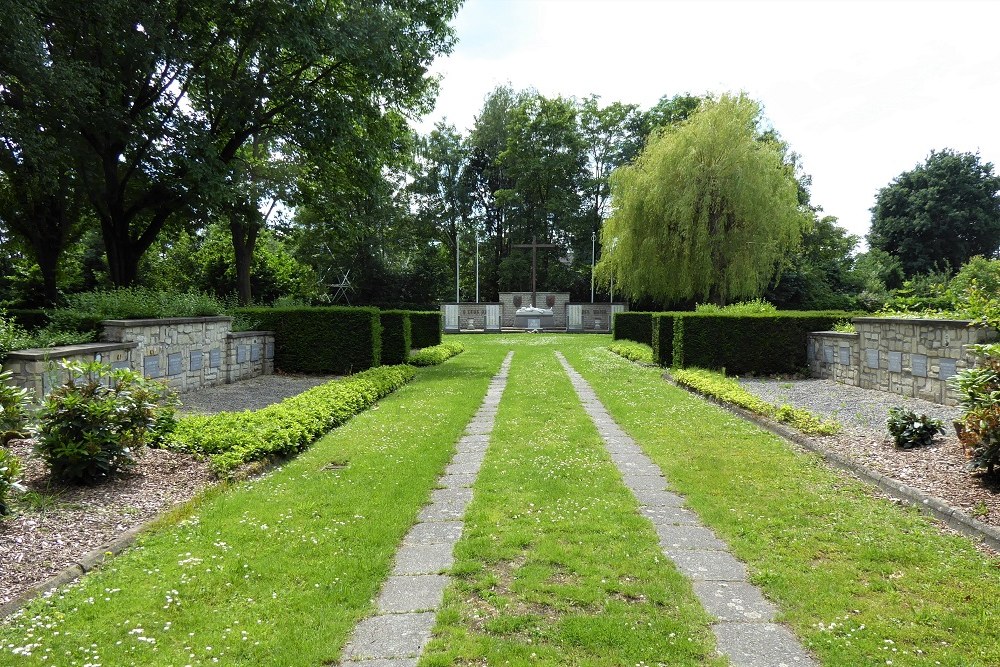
[534,245]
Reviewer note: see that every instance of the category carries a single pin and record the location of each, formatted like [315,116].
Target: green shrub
[395,336]
[729,390]
[633,351]
[425,328]
[844,326]
[333,339]
[979,395]
[232,439]
[14,409]
[752,307]
[662,339]
[29,318]
[635,326]
[86,310]
[97,422]
[909,430]
[432,356]
[10,468]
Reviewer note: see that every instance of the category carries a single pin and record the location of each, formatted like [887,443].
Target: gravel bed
[54,525]
[938,470]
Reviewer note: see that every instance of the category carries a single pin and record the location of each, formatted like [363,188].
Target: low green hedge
[432,356]
[395,336]
[662,339]
[765,343]
[636,326]
[321,340]
[232,439]
[629,349]
[425,328]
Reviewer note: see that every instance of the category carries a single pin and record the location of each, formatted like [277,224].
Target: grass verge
[276,571]
[861,580]
[556,566]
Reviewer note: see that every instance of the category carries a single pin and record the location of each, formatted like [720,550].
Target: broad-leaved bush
[909,430]
[978,391]
[15,409]
[10,468]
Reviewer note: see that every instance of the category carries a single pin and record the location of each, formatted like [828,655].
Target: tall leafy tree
[612,137]
[819,275]
[709,209]
[939,214]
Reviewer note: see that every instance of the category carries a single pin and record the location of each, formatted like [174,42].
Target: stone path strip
[396,635]
[744,630]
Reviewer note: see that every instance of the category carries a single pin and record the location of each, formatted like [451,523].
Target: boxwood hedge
[425,328]
[662,338]
[634,326]
[395,336]
[321,340]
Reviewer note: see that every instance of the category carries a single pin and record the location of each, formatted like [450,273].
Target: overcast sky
[861,90]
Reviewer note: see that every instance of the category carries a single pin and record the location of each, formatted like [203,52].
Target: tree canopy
[708,210]
[939,214]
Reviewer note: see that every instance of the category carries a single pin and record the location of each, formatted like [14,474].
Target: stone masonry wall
[250,354]
[39,369]
[560,299]
[909,357]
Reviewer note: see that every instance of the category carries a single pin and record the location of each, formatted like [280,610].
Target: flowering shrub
[96,423]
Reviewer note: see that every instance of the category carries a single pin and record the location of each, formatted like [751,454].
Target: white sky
[861,90]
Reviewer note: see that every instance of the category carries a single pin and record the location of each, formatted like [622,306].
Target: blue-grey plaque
[810,352]
[174,364]
[871,357]
[269,351]
[828,354]
[119,365]
[895,362]
[845,355]
[242,354]
[947,368]
[214,358]
[196,360]
[918,365]
[255,352]
[151,366]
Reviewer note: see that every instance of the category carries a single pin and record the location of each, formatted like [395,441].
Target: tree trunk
[244,242]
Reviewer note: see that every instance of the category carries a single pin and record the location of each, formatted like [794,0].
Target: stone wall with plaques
[511,301]
[910,357]
[185,353]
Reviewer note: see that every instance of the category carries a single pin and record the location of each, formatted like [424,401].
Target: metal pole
[477,268]
[457,297]
[593,244]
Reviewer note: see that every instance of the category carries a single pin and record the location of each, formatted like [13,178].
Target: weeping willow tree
[708,211]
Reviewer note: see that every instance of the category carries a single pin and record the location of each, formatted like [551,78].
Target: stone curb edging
[954,518]
[88,562]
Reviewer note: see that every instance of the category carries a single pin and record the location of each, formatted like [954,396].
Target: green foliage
[978,389]
[662,340]
[939,214]
[10,468]
[85,311]
[709,210]
[751,307]
[29,318]
[396,336]
[232,439]
[14,337]
[909,430]
[636,326]
[728,390]
[425,328]
[96,423]
[639,352]
[320,340]
[15,404]
[438,354]
[844,326]
[760,344]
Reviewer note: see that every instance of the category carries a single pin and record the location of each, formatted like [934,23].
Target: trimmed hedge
[763,344]
[395,336]
[629,349]
[635,326]
[438,354]
[321,340]
[662,338]
[425,328]
[232,439]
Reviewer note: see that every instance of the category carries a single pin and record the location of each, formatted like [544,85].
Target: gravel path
[252,394]
[938,470]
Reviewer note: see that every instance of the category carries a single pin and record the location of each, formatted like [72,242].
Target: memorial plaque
[895,362]
[174,364]
[828,354]
[871,357]
[845,355]
[918,365]
[214,358]
[255,352]
[196,360]
[947,368]
[118,365]
[242,354]
[151,366]
[269,351]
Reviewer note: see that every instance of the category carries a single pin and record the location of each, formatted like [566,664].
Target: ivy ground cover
[276,571]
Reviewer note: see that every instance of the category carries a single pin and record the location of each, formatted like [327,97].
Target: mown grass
[861,580]
[276,571]
[556,566]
